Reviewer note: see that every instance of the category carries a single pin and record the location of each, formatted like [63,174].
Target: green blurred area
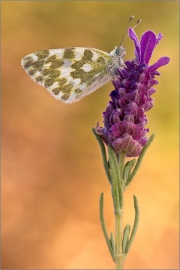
[52,169]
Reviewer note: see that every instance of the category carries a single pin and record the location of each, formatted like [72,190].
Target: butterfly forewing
[71,73]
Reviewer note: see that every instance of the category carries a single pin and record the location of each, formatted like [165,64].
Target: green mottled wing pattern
[69,74]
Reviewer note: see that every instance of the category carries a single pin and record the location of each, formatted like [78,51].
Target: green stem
[119,256]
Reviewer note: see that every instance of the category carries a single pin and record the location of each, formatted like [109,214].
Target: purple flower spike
[125,118]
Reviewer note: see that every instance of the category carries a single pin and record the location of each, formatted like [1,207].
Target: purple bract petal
[161,62]
[134,37]
[147,43]
[158,38]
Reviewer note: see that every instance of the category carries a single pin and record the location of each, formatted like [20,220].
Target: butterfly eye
[117,51]
[120,51]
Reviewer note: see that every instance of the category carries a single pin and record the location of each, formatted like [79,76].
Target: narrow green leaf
[138,163]
[112,242]
[103,152]
[127,169]
[125,237]
[101,204]
[135,225]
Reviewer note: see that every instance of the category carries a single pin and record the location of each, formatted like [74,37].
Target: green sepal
[101,204]
[103,152]
[125,237]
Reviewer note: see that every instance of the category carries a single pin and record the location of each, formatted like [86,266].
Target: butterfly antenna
[132,28]
[137,23]
[123,38]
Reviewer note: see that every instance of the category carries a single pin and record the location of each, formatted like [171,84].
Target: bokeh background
[52,172]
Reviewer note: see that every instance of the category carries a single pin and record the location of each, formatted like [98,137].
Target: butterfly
[70,74]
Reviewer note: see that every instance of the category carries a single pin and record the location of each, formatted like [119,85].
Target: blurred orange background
[52,171]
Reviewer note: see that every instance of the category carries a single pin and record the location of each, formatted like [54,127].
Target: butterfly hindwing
[71,73]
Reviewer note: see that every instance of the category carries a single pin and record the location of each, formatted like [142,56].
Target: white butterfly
[69,74]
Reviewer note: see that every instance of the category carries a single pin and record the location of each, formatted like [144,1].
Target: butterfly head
[120,51]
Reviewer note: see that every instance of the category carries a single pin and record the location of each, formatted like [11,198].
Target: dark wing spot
[39,79]
[77,64]
[38,65]
[68,53]
[61,82]
[101,60]
[27,62]
[42,54]
[88,55]
[31,72]
[78,91]
[67,89]
[51,73]
[49,81]
[55,61]
[56,90]
[65,96]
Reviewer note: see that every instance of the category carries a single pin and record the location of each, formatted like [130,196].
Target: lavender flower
[125,118]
